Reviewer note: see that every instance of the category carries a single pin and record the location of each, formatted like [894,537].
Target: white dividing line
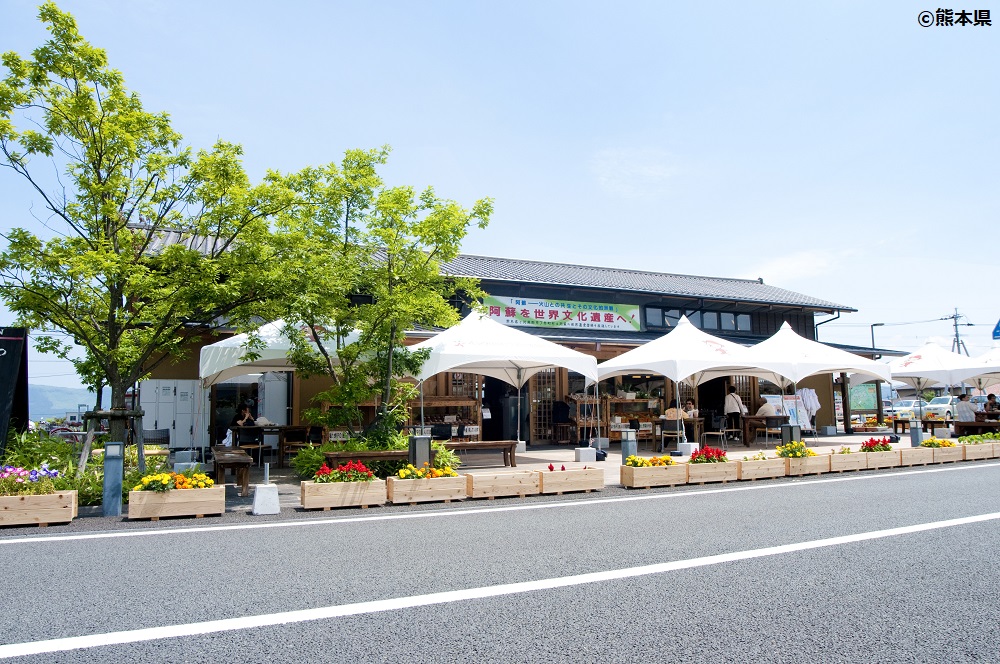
[398,603]
[694,492]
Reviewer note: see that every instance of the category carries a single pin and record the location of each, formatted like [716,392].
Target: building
[600,311]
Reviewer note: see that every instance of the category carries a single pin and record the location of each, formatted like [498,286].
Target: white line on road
[459,511]
[397,603]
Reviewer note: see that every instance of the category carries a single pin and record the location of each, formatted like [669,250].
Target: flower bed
[502,483]
[711,465]
[847,460]
[879,453]
[575,479]
[426,484]
[161,495]
[348,485]
[29,497]
[642,473]
[760,467]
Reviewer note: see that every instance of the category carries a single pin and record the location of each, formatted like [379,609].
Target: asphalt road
[898,566]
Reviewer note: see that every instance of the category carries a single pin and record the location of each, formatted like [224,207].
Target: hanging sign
[538,312]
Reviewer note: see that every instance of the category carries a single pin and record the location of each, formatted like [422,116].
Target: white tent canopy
[224,359]
[933,365]
[482,346]
[989,367]
[684,353]
[794,357]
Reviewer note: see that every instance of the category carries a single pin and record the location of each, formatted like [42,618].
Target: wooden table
[269,429]
[925,425]
[973,428]
[758,422]
[235,459]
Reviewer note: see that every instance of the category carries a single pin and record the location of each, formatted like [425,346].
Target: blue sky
[837,149]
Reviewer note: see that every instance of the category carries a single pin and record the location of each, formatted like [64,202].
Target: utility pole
[957,345]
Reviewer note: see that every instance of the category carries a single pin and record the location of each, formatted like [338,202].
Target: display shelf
[585,417]
[620,411]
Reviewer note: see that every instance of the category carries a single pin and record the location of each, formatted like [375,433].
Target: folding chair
[670,429]
[250,439]
[719,426]
[772,427]
[733,429]
[158,437]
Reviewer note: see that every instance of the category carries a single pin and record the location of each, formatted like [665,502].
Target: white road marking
[459,511]
[398,603]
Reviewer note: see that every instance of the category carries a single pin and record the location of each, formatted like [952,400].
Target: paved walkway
[538,457]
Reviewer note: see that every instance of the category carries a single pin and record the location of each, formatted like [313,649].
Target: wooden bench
[508,447]
[973,428]
[335,459]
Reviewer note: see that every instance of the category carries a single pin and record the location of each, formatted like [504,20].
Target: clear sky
[837,149]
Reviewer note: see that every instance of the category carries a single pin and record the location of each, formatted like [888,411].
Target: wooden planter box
[915,456]
[888,459]
[649,476]
[59,507]
[492,485]
[976,452]
[700,473]
[758,470]
[814,465]
[325,495]
[176,502]
[854,461]
[574,479]
[425,490]
[949,454]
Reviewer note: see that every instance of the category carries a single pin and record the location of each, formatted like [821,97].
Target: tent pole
[421,386]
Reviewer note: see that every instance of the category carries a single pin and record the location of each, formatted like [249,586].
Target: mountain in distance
[52,402]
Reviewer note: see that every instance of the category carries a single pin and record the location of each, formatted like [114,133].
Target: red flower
[562,467]
[551,467]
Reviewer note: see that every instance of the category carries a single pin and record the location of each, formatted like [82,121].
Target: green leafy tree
[368,260]
[147,243]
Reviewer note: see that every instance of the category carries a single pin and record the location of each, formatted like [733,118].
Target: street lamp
[873,326]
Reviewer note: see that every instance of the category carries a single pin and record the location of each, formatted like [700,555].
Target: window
[743,322]
[710,320]
[672,317]
[694,316]
[727,321]
[654,317]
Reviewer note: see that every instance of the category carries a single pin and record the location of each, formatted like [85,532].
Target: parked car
[941,407]
[978,402]
[908,409]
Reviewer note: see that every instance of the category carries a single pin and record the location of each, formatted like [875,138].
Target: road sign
[996,331]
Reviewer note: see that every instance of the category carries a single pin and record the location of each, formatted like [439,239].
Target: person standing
[734,408]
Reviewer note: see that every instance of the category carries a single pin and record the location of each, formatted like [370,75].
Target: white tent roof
[794,357]
[989,367]
[224,359]
[933,365]
[483,346]
[683,353]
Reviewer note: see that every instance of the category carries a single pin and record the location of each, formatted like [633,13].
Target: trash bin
[790,432]
[420,450]
[916,433]
[628,444]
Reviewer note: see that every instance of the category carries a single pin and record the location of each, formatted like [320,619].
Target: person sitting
[764,408]
[992,405]
[963,409]
[690,409]
[243,418]
[673,412]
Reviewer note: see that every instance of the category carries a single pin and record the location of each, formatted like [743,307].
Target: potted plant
[847,459]
[349,485]
[164,494]
[29,497]
[710,464]
[575,479]
[879,454]
[759,466]
[496,484]
[425,484]
[642,472]
[944,450]
[800,460]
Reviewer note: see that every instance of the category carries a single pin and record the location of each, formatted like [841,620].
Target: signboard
[13,380]
[796,411]
[538,312]
[996,331]
[863,397]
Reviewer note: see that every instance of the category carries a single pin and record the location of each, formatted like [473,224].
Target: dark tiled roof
[658,283]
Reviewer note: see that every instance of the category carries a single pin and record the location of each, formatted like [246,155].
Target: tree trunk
[118,426]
